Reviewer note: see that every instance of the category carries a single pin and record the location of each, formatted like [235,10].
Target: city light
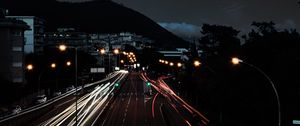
[235,60]
[62,47]
[179,65]
[69,63]
[166,62]
[102,51]
[53,65]
[116,51]
[171,64]
[197,63]
[29,67]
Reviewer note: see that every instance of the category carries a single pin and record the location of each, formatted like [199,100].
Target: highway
[134,106]
[124,100]
[128,109]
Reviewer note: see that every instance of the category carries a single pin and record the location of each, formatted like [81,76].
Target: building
[67,36]
[12,50]
[118,40]
[179,53]
[34,38]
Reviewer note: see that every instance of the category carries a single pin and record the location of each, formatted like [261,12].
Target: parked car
[16,109]
[40,99]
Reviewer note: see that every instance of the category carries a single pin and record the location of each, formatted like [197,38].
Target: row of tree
[236,95]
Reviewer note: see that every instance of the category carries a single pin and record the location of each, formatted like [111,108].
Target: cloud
[287,24]
[183,30]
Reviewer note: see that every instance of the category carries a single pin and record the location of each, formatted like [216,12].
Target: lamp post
[63,48]
[197,63]
[102,52]
[236,61]
[117,52]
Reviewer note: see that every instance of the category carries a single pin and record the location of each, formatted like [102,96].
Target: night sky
[189,14]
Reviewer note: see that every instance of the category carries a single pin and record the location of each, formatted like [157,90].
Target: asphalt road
[129,104]
[128,109]
[134,106]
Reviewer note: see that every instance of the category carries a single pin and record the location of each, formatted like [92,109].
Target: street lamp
[166,62]
[179,65]
[102,51]
[237,61]
[53,65]
[63,48]
[171,64]
[197,63]
[68,63]
[29,67]
[117,52]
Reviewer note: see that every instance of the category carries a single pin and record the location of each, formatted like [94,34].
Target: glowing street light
[116,51]
[237,61]
[171,64]
[197,63]
[102,51]
[179,65]
[68,63]
[62,47]
[53,65]
[166,62]
[29,67]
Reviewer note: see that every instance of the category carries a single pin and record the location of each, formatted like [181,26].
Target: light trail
[88,105]
[173,99]
[153,103]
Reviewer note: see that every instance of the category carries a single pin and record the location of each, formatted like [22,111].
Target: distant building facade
[118,40]
[12,50]
[34,38]
[179,53]
[67,36]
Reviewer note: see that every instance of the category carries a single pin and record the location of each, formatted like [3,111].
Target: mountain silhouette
[101,16]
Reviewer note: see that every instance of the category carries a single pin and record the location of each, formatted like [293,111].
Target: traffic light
[148,84]
[117,85]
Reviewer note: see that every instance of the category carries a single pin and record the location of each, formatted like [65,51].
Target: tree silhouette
[219,40]
[276,52]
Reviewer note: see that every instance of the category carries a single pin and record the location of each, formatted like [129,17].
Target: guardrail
[35,111]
